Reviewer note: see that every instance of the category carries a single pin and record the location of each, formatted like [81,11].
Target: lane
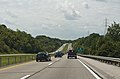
[19,71]
[70,46]
[64,69]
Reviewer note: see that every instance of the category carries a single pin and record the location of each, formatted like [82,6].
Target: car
[71,54]
[43,56]
[58,54]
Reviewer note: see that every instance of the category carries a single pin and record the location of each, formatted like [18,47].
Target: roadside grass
[14,59]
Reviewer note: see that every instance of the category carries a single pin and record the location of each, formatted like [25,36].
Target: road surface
[58,68]
[106,70]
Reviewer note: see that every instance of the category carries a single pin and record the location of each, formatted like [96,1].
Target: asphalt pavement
[58,68]
[106,70]
[64,69]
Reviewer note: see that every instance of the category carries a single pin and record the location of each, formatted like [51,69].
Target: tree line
[21,42]
[101,45]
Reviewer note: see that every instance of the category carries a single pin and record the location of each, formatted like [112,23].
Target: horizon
[47,35]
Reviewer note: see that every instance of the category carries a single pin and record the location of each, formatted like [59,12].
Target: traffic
[45,56]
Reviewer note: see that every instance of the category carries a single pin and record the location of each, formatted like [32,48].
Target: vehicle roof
[42,53]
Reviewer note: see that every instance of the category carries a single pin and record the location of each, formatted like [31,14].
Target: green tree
[114,32]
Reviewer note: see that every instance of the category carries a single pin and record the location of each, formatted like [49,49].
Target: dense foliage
[95,44]
[21,42]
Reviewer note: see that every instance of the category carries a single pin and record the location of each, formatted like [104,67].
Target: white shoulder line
[95,75]
[25,77]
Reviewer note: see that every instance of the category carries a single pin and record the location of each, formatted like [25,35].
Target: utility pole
[106,24]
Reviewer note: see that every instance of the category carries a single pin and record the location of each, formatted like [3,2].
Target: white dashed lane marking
[50,64]
[25,77]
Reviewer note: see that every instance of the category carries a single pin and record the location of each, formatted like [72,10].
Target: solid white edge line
[95,75]
[25,77]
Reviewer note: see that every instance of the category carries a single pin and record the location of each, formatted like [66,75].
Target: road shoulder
[96,67]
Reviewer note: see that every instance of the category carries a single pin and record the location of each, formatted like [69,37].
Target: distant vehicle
[43,56]
[58,54]
[72,54]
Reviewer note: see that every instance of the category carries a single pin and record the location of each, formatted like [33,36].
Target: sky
[64,19]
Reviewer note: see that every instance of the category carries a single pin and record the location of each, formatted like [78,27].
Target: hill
[21,42]
[95,44]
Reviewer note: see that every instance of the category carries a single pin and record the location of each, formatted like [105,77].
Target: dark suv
[43,56]
[58,54]
[72,54]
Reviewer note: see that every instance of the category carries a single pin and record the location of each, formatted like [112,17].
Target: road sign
[80,50]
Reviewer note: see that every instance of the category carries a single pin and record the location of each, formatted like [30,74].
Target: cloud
[1,19]
[69,11]
[51,26]
[85,4]
[102,0]
[11,14]
[78,16]
[73,15]
[6,21]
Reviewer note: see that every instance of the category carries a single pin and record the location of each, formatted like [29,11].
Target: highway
[61,68]
[58,68]
[64,69]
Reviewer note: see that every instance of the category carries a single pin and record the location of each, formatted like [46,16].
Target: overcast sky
[65,19]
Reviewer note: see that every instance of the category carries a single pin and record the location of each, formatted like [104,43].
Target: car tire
[68,57]
[49,59]
[36,60]
[75,57]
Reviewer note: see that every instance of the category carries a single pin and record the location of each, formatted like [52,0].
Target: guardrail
[6,60]
[108,60]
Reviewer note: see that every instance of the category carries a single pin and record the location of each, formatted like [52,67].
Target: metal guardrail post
[28,58]
[20,59]
[15,60]
[8,61]
[0,62]
[25,58]
[33,57]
